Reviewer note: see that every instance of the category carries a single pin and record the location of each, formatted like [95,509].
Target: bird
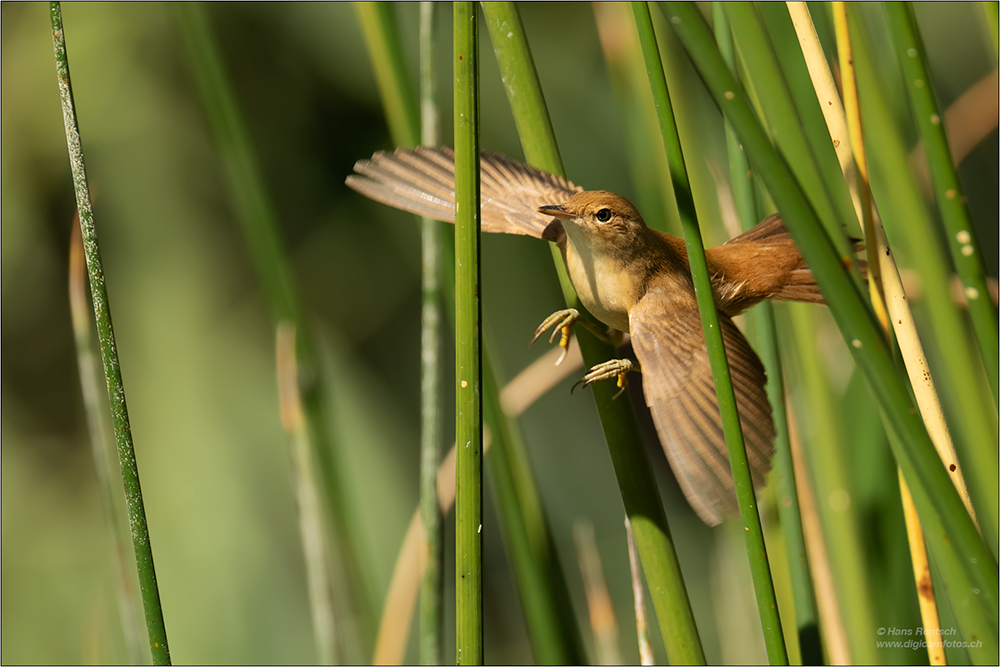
[634,280]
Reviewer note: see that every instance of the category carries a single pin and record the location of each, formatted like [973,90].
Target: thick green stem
[632,467]
[468,360]
[767,604]
[109,355]
[763,324]
[856,321]
[965,250]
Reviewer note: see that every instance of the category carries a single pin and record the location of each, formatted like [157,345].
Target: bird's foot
[614,368]
[562,321]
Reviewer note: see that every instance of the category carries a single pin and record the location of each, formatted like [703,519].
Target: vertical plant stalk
[902,205]
[991,9]
[602,613]
[767,604]
[468,360]
[632,467]
[432,584]
[804,599]
[831,622]
[922,574]
[642,635]
[517,395]
[109,355]
[947,188]
[551,622]
[100,440]
[303,480]
[259,225]
[885,283]
[854,319]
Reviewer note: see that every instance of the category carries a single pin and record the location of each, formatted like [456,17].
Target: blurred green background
[197,346]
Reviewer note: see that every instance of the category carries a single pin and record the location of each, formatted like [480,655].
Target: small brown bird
[636,280]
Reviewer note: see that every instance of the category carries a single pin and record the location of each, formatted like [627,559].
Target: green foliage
[194,325]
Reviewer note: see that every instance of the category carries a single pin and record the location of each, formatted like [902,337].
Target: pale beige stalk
[599,607]
[884,282]
[645,650]
[831,623]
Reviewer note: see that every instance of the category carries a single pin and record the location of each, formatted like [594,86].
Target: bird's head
[599,217]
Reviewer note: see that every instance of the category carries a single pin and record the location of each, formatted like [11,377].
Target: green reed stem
[527,540]
[965,251]
[468,341]
[827,195]
[632,468]
[431,371]
[100,443]
[767,604]
[109,355]
[912,231]
[766,335]
[855,320]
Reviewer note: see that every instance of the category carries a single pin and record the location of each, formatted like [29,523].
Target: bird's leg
[563,321]
[614,368]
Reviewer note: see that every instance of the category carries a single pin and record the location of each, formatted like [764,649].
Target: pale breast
[603,286]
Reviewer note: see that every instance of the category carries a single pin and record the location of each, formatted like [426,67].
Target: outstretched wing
[680,393]
[422,181]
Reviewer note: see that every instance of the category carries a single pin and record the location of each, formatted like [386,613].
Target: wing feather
[422,181]
[680,392]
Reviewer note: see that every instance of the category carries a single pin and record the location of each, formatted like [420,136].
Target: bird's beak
[556,211]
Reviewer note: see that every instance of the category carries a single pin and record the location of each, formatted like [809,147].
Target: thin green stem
[827,196]
[258,223]
[100,442]
[992,9]
[767,604]
[468,341]
[109,355]
[527,540]
[431,371]
[855,320]
[965,250]
[763,324]
[632,467]
[912,233]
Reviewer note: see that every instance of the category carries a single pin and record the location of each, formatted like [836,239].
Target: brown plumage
[637,280]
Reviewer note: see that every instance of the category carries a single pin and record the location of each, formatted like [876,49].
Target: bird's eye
[604,214]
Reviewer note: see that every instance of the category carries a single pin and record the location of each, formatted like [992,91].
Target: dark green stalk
[912,231]
[962,240]
[767,604]
[632,468]
[468,361]
[855,320]
[259,225]
[100,443]
[762,317]
[548,608]
[526,538]
[827,195]
[991,9]
[109,355]
[431,409]
[973,624]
